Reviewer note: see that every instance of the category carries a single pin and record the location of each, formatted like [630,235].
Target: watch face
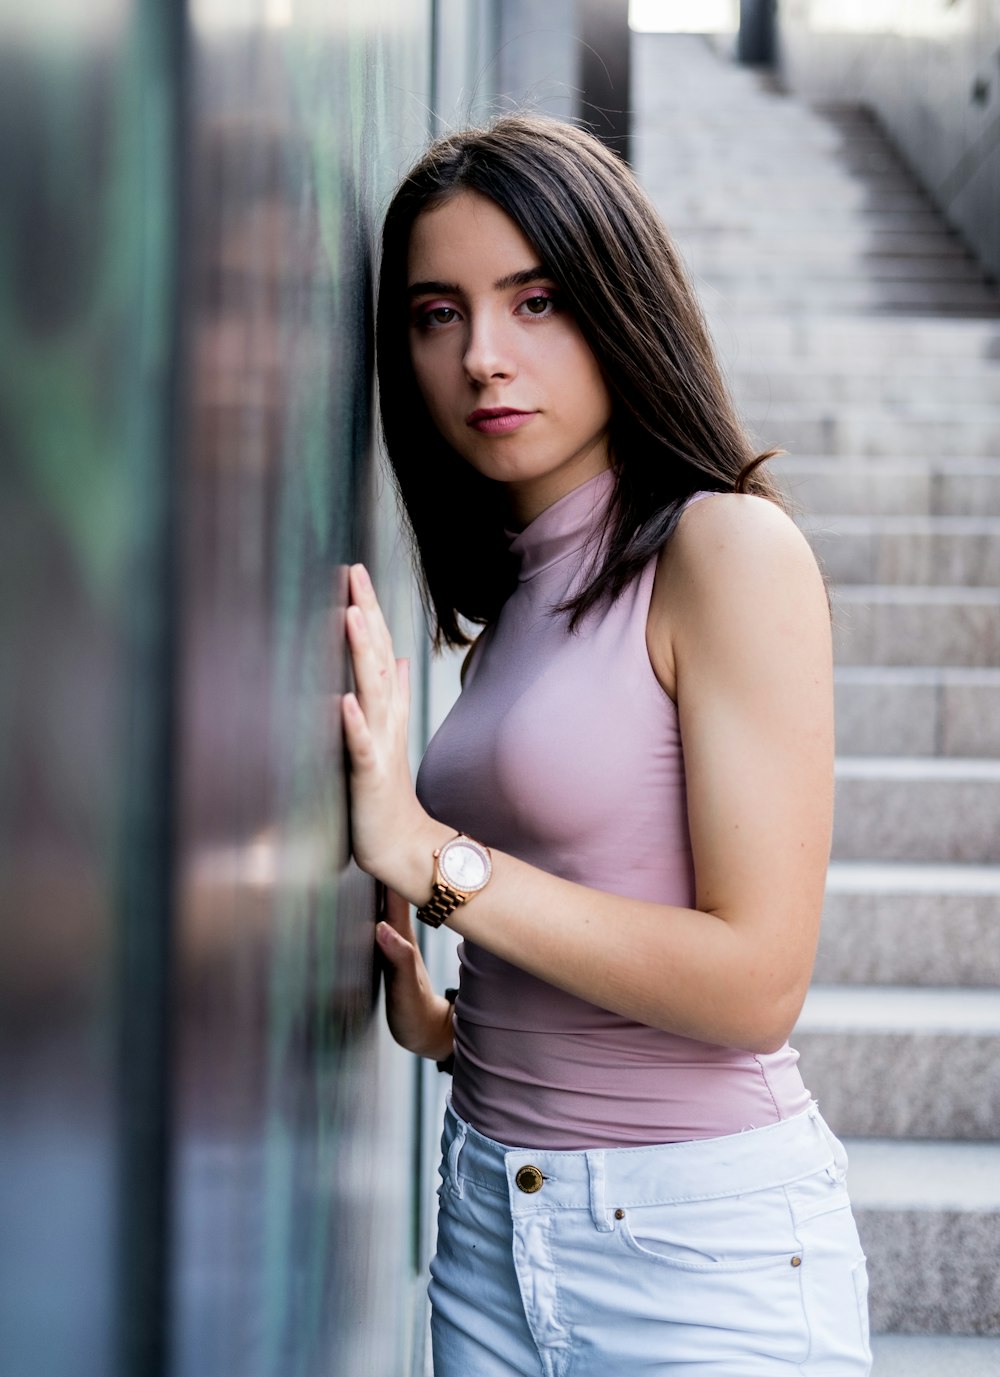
[464,864]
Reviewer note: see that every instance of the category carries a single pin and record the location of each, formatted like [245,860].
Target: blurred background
[212,1158]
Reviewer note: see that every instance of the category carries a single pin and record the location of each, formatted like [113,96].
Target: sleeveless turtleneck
[564,750]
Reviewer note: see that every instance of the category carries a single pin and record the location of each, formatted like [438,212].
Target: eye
[429,318]
[539,304]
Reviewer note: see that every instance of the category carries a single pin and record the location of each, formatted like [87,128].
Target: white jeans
[721,1257]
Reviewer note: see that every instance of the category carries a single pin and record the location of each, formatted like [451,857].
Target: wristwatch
[462,867]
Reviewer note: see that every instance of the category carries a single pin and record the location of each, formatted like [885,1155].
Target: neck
[528,499]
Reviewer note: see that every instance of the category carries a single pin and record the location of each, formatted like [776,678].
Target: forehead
[468,236]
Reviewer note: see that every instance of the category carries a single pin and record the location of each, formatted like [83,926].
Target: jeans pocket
[711,1236]
[724,1274]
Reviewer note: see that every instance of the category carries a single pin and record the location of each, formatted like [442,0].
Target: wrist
[439,1042]
[416,877]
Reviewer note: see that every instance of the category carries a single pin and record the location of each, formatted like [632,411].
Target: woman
[634,1177]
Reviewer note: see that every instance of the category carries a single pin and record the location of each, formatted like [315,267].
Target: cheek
[434,376]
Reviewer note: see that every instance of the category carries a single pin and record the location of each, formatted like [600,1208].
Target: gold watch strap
[441,905]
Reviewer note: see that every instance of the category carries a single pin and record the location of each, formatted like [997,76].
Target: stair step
[891,1061]
[891,486]
[864,244]
[843,339]
[777,387]
[929,1219]
[918,711]
[907,549]
[798,291]
[901,625]
[951,431]
[934,1355]
[910,924]
[754,269]
[930,809]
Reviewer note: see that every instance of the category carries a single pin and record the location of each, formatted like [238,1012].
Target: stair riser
[822,293]
[918,719]
[761,390]
[932,1273]
[910,939]
[875,435]
[925,820]
[909,558]
[831,341]
[893,492]
[711,244]
[923,1085]
[932,633]
[753,270]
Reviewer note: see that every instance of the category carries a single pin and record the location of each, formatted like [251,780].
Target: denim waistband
[599,1178]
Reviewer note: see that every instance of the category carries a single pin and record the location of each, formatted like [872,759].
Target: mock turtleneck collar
[562,528]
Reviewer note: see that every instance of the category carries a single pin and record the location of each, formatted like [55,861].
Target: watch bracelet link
[441,905]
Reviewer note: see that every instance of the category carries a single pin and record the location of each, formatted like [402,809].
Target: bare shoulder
[734,561]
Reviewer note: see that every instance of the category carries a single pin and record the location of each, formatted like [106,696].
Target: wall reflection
[287,1165]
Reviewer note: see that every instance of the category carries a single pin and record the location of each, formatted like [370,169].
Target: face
[505,372]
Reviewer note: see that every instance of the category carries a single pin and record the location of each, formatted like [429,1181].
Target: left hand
[392,835]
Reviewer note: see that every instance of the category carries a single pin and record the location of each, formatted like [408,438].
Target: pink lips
[497,420]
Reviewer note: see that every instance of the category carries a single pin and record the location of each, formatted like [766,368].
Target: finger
[356,733]
[397,915]
[371,671]
[364,596]
[401,954]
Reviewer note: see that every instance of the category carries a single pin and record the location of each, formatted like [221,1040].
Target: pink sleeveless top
[564,750]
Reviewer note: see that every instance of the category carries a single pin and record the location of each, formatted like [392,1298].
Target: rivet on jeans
[619,1214]
[796,1262]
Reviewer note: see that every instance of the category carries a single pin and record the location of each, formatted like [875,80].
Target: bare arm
[739,632]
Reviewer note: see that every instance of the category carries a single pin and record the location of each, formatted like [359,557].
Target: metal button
[796,1262]
[619,1214]
[529,1180]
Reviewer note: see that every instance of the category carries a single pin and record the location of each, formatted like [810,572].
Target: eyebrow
[523,278]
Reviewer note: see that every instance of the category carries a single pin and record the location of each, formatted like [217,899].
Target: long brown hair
[673,430]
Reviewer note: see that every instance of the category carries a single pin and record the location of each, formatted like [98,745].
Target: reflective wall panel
[88,252]
[294,1182]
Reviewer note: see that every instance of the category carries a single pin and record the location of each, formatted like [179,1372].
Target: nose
[488,352]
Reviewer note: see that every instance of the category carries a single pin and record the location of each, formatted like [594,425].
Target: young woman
[627,813]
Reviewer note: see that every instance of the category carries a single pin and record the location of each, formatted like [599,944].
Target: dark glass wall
[212,1160]
[293,1177]
[87,310]
[206,1160]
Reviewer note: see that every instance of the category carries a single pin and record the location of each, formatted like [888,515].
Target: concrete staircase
[858,334]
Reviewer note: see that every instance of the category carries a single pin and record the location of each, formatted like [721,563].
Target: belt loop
[598,1209]
[454,1153]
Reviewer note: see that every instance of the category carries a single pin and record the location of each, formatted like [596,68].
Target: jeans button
[529,1180]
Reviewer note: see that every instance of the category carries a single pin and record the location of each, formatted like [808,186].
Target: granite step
[897,486]
[937,244]
[874,290]
[929,1218]
[907,549]
[882,624]
[846,340]
[910,924]
[892,808]
[934,1355]
[973,385]
[894,1061]
[926,430]
[918,711]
